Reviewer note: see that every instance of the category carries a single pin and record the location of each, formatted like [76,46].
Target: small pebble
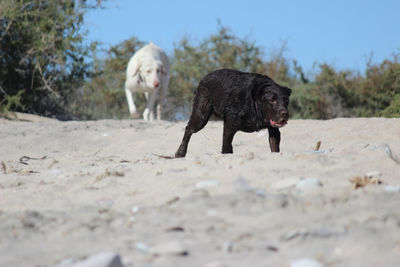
[142,247]
[309,183]
[215,264]
[169,248]
[392,188]
[208,183]
[284,184]
[135,209]
[306,262]
[212,212]
[104,259]
[66,262]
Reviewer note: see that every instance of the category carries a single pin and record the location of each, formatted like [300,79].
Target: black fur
[246,102]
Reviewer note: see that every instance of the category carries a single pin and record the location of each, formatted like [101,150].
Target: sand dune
[69,190]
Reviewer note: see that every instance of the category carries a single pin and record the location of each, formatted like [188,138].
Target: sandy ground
[69,190]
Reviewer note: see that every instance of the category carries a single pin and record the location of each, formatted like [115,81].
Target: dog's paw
[180,154]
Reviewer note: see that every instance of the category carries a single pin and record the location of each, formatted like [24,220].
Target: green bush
[42,58]
[393,110]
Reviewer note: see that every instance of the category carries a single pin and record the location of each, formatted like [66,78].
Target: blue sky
[342,33]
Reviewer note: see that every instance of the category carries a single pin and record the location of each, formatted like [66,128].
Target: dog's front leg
[163,93]
[131,103]
[148,114]
[227,139]
[274,138]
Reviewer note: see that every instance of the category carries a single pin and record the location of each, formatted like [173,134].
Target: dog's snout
[284,114]
[156,83]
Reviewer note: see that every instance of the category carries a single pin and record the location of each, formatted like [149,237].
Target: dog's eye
[148,71]
[272,100]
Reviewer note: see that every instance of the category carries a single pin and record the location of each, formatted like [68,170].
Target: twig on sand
[318,146]
[108,173]
[24,159]
[164,157]
[390,154]
[172,201]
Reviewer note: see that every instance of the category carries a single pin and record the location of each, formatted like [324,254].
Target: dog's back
[228,88]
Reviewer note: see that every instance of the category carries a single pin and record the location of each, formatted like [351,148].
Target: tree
[42,55]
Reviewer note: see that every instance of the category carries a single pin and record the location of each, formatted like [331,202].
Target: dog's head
[150,73]
[273,101]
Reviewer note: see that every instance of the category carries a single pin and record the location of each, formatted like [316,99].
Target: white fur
[147,67]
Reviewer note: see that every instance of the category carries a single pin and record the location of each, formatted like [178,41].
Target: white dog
[148,73]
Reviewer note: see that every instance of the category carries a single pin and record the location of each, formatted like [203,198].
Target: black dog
[246,102]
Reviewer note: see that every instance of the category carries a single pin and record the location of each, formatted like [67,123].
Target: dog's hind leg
[227,139]
[202,110]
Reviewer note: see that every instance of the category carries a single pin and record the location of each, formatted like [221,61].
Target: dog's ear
[261,86]
[288,91]
[140,78]
[256,94]
[137,69]
[256,90]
